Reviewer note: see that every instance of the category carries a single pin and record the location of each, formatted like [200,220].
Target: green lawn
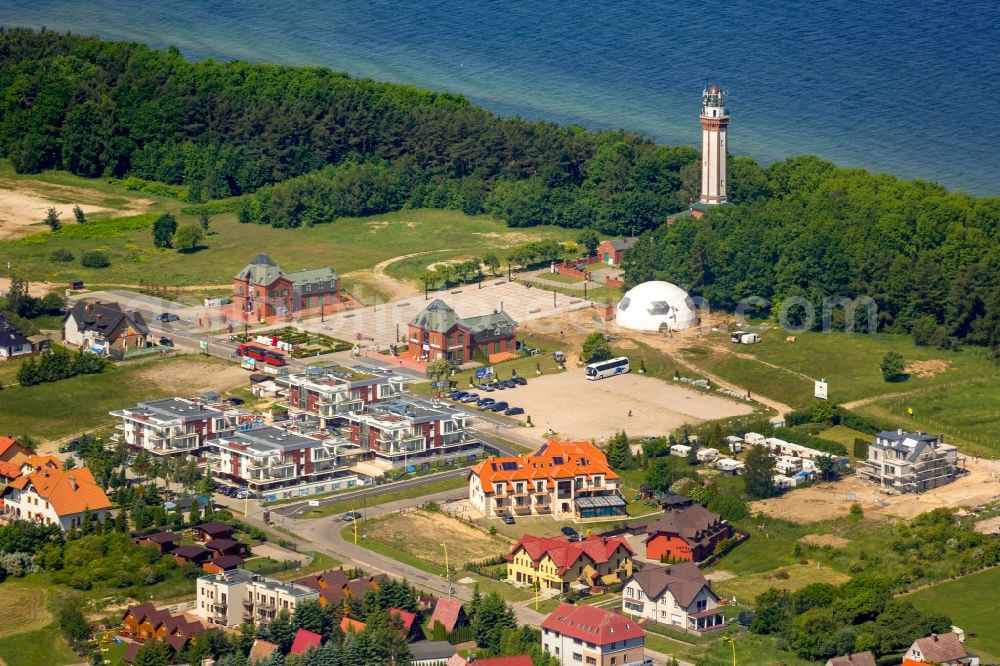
[348,244]
[44,646]
[557,277]
[970,603]
[57,409]
[385,498]
[844,435]
[960,401]
[967,413]
[751,650]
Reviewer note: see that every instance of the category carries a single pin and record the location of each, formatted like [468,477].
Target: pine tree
[78,214]
[620,452]
[493,617]
[758,475]
[473,606]
[52,219]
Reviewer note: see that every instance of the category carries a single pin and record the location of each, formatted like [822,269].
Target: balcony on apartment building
[401,445]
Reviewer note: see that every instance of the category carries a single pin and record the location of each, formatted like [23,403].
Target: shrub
[62,254]
[95,259]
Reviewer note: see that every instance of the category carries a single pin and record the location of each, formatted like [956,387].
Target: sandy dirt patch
[719,575]
[376,277]
[927,368]
[23,205]
[409,531]
[821,540]
[276,552]
[576,408]
[38,289]
[989,526]
[190,377]
[828,501]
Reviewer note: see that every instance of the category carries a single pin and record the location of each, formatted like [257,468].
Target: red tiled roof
[520,660]
[68,491]
[940,647]
[305,639]
[446,613]
[261,650]
[554,460]
[11,470]
[590,624]
[407,617]
[566,553]
[6,442]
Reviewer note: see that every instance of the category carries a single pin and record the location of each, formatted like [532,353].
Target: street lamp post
[447,570]
[732,644]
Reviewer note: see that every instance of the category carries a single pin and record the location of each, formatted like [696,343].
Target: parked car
[234,401]
[166,342]
[519,380]
[351,516]
[458,395]
[497,406]
[470,397]
[70,446]
[513,411]
[509,519]
[168,317]
[243,494]
[508,383]
[570,533]
[487,387]
[483,402]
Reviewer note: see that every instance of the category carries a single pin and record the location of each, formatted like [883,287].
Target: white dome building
[654,306]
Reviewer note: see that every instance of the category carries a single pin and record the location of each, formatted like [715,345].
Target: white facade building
[910,462]
[176,425]
[55,497]
[677,596]
[231,598]
[274,461]
[714,127]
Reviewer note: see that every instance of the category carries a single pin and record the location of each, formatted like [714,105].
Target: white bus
[602,369]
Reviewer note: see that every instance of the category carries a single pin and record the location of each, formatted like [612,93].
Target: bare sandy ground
[191,377]
[23,205]
[576,408]
[380,281]
[832,500]
[38,289]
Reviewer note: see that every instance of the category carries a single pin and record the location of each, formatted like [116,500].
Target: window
[591,660]
[577,656]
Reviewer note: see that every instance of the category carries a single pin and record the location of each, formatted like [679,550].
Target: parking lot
[577,408]
[381,323]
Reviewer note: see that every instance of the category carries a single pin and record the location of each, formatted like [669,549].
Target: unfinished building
[910,462]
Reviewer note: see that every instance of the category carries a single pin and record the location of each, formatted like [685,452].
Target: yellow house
[557,562]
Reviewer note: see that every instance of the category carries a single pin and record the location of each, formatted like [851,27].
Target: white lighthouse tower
[714,125]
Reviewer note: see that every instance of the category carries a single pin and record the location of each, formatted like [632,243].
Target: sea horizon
[884,88]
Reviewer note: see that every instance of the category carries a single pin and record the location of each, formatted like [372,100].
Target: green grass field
[384,498]
[951,400]
[70,406]
[557,277]
[28,634]
[843,435]
[970,603]
[347,244]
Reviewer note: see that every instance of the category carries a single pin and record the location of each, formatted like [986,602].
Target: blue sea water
[909,87]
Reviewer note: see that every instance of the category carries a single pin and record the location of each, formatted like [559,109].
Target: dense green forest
[305,145]
[806,229]
[98,108]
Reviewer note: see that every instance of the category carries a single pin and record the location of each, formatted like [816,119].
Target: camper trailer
[754,439]
[680,450]
[707,455]
[734,443]
[729,466]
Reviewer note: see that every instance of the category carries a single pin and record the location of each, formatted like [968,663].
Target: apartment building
[567,480]
[328,393]
[174,426]
[230,598]
[412,433]
[587,635]
[910,462]
[270,460]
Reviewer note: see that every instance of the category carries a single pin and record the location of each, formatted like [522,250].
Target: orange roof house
[10,447]
[56,496]
[557,562]
[563,479]
[690,534]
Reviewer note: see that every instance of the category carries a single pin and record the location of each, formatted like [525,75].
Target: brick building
[262,290]
[439,333]
[690,533]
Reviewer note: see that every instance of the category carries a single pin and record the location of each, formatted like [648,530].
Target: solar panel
[508,466]
[557,460]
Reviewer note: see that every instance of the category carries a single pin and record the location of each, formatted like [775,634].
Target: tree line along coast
[297,146]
